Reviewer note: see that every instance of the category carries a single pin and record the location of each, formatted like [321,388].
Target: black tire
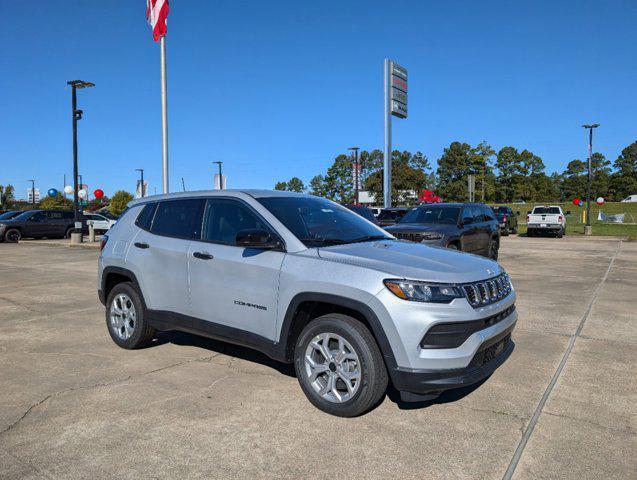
[494,248]
[453,246]
[13,235]
[530,233]
[142,332]
[68,232]
[373,373]
[560,233]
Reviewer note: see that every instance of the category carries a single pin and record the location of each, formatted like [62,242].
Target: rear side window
[178,218]
[488,214]
[68,215]
[145,217]
[55,215]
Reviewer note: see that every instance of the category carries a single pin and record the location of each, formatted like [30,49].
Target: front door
[469,230]
[233,289]
[37,225]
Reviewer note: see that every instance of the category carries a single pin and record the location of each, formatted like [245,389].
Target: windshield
[8,215]
[317,222]
[448,215]
[390,214]
[545,210]
[24,215]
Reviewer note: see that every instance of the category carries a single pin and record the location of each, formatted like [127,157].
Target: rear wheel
[453,246]
[126,317]
[12,235]
[560,233]
[339,366]
[68,232]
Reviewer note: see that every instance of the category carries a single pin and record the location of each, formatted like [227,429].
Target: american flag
[156,14]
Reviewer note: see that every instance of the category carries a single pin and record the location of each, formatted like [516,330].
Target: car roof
[219,193]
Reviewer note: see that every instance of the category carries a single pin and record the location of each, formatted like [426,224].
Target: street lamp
[77,115]
[141,189]
[220,176]
[587,228]
[357,173]
[32,191]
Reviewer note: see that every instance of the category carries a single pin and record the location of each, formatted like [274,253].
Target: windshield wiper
[369,238]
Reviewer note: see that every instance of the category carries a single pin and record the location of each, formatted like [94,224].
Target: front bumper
[491,354]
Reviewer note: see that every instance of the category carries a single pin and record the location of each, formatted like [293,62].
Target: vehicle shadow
[446,396]
[224,348]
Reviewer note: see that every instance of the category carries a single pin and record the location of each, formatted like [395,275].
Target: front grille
[412,237]
[490,353]
[487,292]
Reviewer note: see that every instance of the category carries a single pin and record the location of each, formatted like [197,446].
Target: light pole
[357,173]
[141,188]
[80,188]
[587,228]
[77,115]
[32,191]
[220,176]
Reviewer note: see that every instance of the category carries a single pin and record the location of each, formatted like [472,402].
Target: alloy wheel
[332,367]
[123,316]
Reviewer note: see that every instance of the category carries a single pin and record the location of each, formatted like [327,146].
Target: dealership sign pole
[395,104]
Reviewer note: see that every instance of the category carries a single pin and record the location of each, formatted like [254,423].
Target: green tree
[410,173]
[281,186]
[624,181]
[56,203]
[455,164]
[6,194]
[318,186]
[294,184]
[119,201]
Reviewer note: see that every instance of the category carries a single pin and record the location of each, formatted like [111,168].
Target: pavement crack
[99,385]
[627,430]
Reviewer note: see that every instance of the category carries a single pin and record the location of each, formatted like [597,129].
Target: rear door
[56,225]
[160,253]
[469,237]
[231,286]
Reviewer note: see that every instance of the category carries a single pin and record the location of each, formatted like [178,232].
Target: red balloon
[437,199]
[98,193]
[576,201]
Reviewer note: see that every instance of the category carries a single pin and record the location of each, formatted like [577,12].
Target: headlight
[423,292]
[432,236]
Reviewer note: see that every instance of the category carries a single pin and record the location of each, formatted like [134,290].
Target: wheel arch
[306,306]
[111,276]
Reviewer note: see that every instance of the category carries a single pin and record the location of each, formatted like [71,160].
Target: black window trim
[253,210]
[137,222]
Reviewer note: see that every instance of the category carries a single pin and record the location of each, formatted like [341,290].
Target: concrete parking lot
[74,405]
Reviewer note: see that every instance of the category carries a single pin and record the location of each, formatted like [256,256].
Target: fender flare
[119,271]
[365,310]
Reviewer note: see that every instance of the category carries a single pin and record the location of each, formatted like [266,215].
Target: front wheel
[339,366]
[68,233]
[13,235]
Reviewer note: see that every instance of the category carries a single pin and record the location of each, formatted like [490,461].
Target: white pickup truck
[546,219]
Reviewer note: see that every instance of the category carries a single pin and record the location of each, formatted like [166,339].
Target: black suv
[37,224]
[470,227]
[508,219]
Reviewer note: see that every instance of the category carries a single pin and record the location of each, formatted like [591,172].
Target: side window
[478,214]
[55,215]
[223,219]
[145,217]
[178,218]
[68,215]
[38,217]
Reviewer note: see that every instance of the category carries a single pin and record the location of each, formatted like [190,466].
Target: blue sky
[277,89]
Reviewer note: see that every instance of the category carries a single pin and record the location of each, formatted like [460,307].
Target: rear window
[145,217]
[546,210]
[179,218]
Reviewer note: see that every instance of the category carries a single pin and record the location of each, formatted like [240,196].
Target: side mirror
[256,238]
[568,212]
[528,212]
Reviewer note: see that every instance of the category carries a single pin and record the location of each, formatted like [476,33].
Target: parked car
[37,224]
[630,198]
[101,224]
[546,219]
[507,218]
[8,215]
[390,216]
[364,212]
[469,227]
[307,281]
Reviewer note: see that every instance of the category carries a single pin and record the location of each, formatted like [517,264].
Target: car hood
[414,261]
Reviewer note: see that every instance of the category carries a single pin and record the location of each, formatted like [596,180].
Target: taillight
[103,242]
[528,217]
[559,218]
[504,219]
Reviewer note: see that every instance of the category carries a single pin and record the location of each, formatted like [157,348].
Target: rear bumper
[549,226]
[491,354]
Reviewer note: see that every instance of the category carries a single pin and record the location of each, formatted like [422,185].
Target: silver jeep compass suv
[307,281]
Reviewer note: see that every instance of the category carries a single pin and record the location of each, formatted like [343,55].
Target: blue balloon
[52,192]
[581,202]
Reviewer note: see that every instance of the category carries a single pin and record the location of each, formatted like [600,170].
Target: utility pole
[77,115]
[141,188]
[32,191]
[587,228]
[356,175]
[220,176]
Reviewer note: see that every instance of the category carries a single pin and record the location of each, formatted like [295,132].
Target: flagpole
[164,116]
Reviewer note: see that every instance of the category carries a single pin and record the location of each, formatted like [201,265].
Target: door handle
[141,245]
[203,255]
